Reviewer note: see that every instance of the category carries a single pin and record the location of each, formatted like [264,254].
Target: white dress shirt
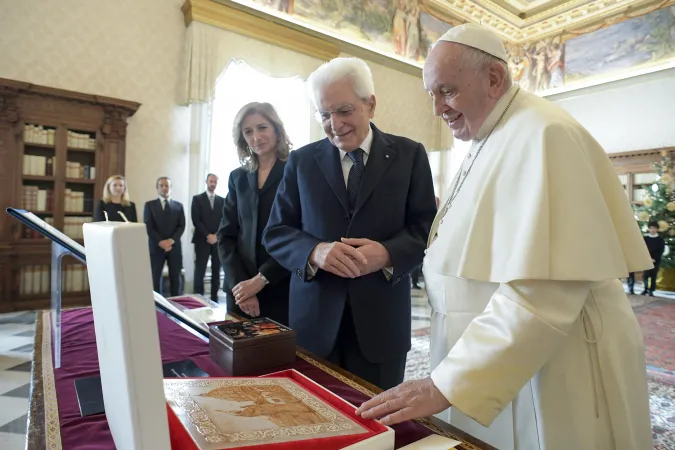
[347,162]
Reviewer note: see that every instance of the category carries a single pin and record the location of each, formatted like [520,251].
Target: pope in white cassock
[534,344]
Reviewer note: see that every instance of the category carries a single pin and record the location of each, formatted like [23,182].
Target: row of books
[41,166]
[72,226]
[645,178]
[36,199]
[82,171]
[75,201]
[37,134]
[29,233]
[81,140]
[36,279]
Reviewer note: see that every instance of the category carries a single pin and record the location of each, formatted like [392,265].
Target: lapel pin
[386,156]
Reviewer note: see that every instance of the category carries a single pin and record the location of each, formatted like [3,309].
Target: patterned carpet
[657,318]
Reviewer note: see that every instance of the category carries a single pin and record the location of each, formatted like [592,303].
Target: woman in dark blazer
[115,202]
[255,284]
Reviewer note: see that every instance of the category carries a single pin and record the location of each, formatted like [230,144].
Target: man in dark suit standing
[206,212]
[165,221]
[351,221]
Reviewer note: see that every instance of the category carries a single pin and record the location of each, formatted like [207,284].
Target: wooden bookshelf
[57,148]
[636,171]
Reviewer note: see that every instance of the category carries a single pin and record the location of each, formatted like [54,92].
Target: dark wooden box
[252,346]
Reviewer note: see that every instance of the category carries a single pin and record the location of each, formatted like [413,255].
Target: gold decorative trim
[354,385]
[337,375]
[263,29]
[52,424]
[263,26]
[564,18]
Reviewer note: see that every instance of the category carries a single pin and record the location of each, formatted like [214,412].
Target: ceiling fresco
[519,21]
[552,44]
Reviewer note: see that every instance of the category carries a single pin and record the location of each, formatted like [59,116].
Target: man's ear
[497,76]
[372,103]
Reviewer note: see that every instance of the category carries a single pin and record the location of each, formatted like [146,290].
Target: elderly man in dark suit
[206,212]
[165,221]
[351,221]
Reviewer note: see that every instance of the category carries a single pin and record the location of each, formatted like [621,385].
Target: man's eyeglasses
[343,111]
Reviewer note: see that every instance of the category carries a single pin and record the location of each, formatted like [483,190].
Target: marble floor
[16,347]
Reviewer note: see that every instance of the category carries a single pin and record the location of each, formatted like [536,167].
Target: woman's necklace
[459,182]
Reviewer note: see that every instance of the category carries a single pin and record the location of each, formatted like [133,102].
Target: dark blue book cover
[90,392]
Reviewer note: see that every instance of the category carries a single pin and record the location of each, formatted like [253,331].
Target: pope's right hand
[338,258]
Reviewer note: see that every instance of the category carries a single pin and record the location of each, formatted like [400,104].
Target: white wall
[633,114]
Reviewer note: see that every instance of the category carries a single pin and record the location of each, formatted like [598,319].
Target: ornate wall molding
[115,123]
[9,108]
[256,24]
[242,20]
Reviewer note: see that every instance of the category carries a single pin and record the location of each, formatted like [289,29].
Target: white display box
[127,335]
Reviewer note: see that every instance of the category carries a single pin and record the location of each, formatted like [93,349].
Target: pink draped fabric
[79,359]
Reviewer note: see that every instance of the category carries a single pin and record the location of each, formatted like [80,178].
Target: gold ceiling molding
[520,21]
[257,24]
[242,22]
[627,14]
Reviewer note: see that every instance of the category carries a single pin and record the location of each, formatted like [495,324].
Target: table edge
[36,429]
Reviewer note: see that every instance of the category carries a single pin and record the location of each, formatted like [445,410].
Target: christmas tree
[658,206]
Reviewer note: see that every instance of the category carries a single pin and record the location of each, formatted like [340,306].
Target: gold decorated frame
[200,420]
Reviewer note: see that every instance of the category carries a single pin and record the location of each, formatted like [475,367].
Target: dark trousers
[347,355]
[649,277]
[631,281]
[175,260]
[202,252]
[415,274]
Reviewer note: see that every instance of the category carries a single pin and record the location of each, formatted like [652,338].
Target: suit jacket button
[398,279]
[298,273]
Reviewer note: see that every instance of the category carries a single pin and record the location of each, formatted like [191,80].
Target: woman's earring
[250,150]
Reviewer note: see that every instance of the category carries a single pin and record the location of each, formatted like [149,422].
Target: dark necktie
[355,175]
[165,206]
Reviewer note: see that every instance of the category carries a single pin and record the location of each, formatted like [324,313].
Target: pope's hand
[338,258]
[410,400]
[375,253]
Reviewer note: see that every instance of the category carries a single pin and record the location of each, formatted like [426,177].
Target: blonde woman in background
[115,202]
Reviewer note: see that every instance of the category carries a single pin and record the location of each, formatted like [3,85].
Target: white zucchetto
[479,37]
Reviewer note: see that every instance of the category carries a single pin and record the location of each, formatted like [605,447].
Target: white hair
[473,57]
[337,69]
